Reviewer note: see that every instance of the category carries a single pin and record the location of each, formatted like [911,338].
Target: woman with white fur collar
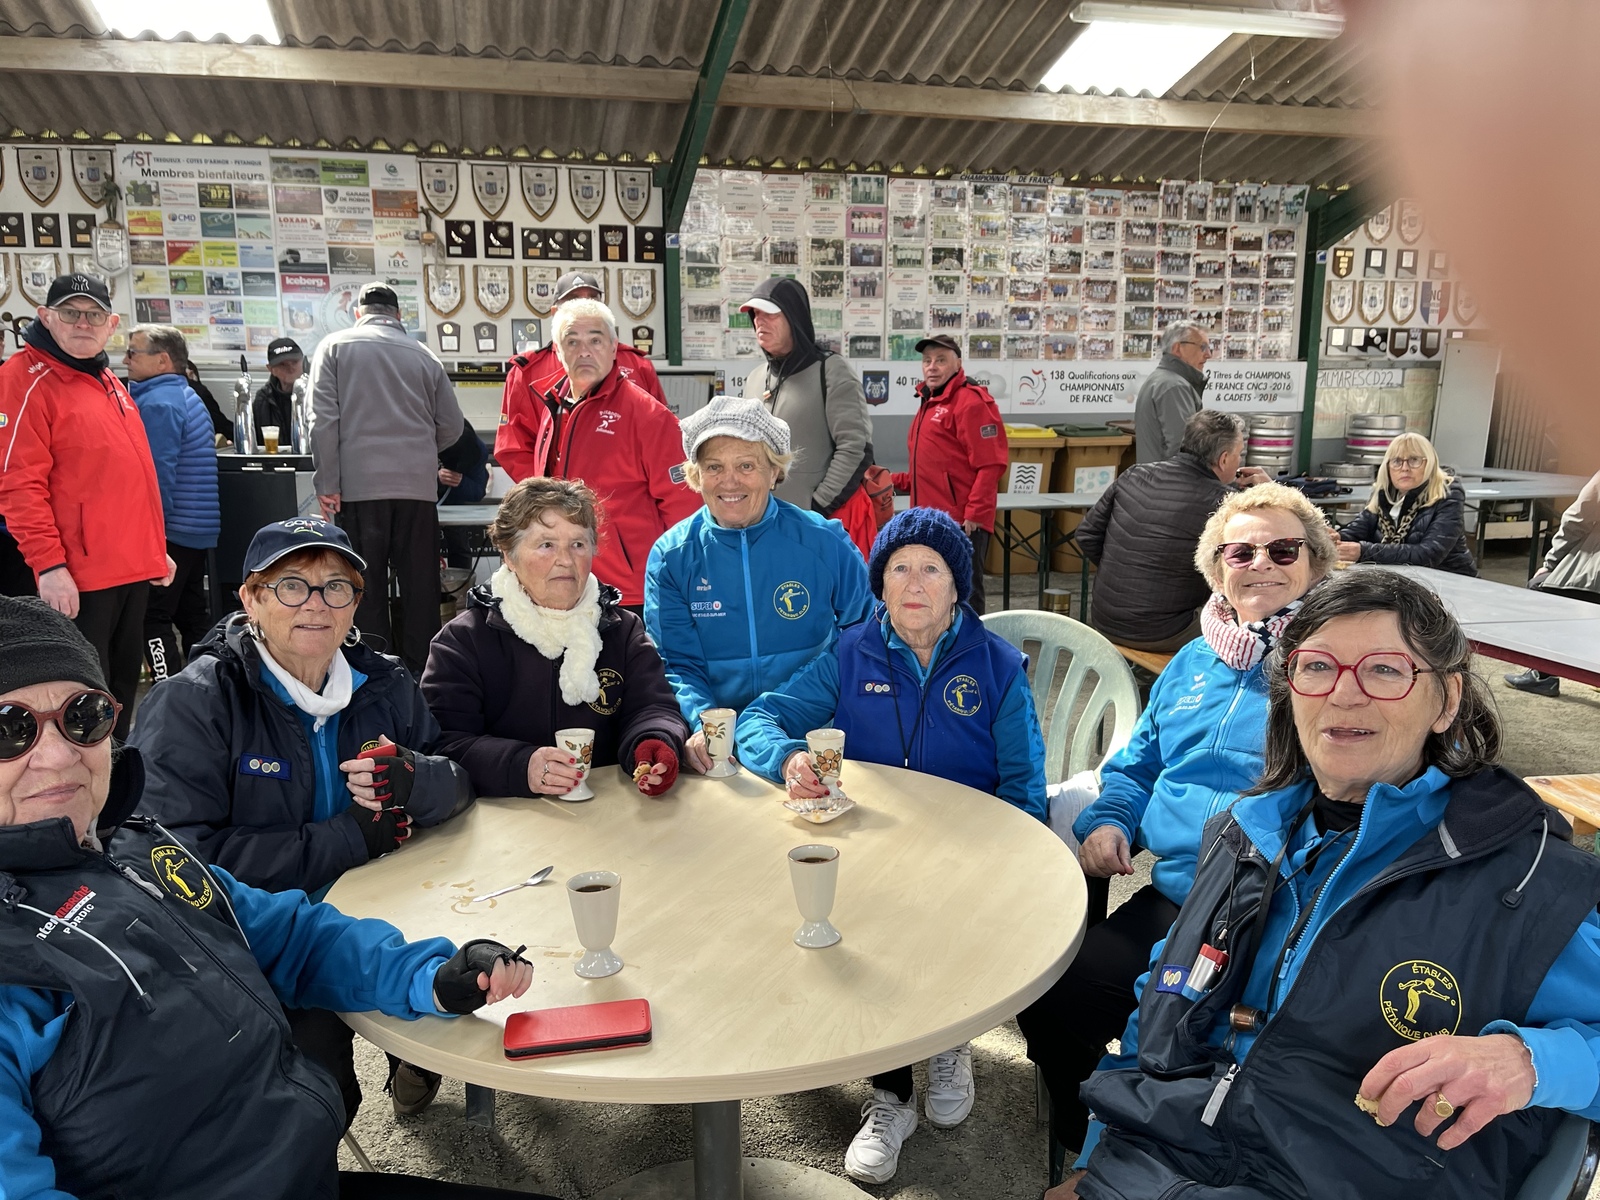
[545,646]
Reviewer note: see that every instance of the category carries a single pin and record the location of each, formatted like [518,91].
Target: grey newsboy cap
[729,416]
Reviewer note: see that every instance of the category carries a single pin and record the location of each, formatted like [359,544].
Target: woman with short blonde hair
[1415,517]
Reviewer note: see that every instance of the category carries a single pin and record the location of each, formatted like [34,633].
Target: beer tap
[244,425]
[300,417]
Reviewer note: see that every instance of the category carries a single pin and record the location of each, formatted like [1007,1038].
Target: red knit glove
[649,753]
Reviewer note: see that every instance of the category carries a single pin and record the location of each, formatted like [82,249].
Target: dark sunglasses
[1285,552]
[86,719]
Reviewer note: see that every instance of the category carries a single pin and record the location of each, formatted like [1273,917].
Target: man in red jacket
[523,415]
[613,435]
[77,484]
[958,449]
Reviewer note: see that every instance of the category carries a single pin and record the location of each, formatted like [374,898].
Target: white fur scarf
[572,635]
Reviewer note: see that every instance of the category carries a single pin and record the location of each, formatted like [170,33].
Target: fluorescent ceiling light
[236,20]
[1267,22]
[1133,57]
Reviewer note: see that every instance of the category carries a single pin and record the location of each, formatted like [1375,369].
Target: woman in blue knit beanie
[919,684]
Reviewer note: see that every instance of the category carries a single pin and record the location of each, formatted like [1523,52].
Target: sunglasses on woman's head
[1285,552]
[86,719]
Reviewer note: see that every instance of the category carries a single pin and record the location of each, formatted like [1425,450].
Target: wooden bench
[1148,659]
[1578,796]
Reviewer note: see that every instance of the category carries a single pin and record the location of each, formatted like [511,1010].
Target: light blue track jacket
[735,612]
[184,451]
[1197,745]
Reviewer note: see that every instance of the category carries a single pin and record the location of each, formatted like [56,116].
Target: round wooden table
[957,911]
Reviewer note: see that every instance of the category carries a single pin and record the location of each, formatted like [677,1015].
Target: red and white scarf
[1242,646]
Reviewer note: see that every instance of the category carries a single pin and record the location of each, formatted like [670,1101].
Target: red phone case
[548,1031]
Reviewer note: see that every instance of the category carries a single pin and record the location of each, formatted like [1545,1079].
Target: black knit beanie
[39,645]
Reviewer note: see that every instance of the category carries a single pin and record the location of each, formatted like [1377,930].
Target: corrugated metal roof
[997,44]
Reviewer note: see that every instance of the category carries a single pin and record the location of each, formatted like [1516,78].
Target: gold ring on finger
[1443,1108]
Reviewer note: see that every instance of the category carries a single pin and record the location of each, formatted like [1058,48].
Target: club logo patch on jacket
[791,600]
[610,697]
[181,876]
[1420,1000]
[961,696]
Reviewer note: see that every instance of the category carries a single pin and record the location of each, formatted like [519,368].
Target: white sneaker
[951,1089]
[874,1153]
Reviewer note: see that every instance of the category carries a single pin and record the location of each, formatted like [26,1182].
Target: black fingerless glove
[393,777]
[383,831]
[456,984]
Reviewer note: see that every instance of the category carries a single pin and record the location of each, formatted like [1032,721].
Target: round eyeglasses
[1383,675]
[1285,552]
[292,592]
[86,719]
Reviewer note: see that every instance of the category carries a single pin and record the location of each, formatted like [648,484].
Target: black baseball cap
[272,542]
[572,281]
[939,341]
[282,350]
[90,287]
[377,293]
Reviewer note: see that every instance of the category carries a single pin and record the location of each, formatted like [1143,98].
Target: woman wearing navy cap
[251,750]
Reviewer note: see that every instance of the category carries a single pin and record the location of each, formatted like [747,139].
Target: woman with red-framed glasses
[144,1049]
[1386,977]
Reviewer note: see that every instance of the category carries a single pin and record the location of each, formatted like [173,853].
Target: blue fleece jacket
[1197,745]
[313,956]
[1563,1022]
[735,612]
[767,728]
[184,449]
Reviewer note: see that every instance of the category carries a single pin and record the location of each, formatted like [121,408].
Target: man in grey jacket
[1571,568]
[1171,395]
[382,409]
[817,393]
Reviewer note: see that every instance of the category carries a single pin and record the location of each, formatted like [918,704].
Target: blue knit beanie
[924,527]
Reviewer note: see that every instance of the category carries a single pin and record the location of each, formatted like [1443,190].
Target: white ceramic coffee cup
[827,755]
[580,744]
[814,871]
[596,898]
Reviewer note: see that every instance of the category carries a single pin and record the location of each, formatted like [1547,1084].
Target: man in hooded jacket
[819,395]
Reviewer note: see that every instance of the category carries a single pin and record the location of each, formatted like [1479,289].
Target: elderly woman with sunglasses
[1197,745]
[143,1046]
[1385,980]
[288,751]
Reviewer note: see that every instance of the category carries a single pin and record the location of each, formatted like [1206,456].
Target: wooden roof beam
[660,85]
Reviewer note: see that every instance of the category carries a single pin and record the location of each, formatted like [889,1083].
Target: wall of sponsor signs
[1018,268]
[236,245]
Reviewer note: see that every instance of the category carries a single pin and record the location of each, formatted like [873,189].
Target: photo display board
[1016,268]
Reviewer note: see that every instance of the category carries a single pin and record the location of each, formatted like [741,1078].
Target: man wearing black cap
[272,405]
[958,449]
[78,486]
[382,410]
[524,416]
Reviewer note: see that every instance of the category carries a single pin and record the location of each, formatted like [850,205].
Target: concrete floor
[575,1150]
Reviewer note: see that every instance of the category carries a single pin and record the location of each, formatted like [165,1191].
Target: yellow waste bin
[1033,455]
[1082,464]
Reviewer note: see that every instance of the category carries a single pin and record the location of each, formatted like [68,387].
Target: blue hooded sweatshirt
[735,612]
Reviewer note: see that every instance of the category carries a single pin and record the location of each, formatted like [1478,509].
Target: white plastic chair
[1072,747]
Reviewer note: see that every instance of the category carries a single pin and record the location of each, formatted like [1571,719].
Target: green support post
[676,178]
[1326,223]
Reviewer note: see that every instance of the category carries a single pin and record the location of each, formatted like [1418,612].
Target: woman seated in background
[1414,518]
[1198,744]
[1385,980]
[251,751]
[745,592]
[544,646]
[143,1046]
[957,706]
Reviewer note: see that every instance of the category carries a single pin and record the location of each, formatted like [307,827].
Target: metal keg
[1355,474]
[1266,421]
[1372,423]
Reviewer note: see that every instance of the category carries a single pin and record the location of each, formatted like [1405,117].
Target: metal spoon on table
[533,880]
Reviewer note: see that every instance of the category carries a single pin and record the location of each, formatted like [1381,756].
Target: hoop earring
[353,638]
